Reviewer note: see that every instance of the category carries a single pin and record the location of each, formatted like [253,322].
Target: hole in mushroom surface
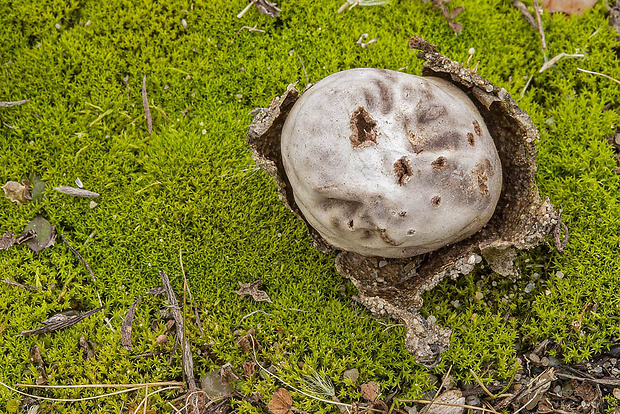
[403,170]
[363,127]
[471,139]
[477,128]
[439,163]
[436,201]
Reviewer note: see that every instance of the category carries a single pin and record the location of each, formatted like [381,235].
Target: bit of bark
[188,362]
[126,327]
[7,240]
[56,326]
[87,349]
[251,289]
[267,7]
[156,291]
[15,103]
[76,192]
[145,104]
[525,12]
[19,285]
[79,256]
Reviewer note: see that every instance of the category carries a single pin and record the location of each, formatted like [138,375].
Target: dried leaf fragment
[126,327]
[45,234]
[16,192]
[251,289]
[370,391]
[267,7]
[76,192]
[281,402]
[87,349]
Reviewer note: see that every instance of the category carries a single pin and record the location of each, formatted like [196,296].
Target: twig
[79,256]
[126,327]
[556,59]
[15,103]
[528,16]
[541,29]
[137,386]
[244,11]
[55,326]
[560,245]
[302,66]
[145,104]
[188,362]
[9,126]
[364,36]
[250,314]
[38,397]
[527,84]
[248,28]
[19,285]
[599,74]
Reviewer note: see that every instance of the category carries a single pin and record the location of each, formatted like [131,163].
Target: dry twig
[599,74]
[145,104]
[541,29]
[525,12]
[19,285]
[55,326]
[79,256]
[15,103]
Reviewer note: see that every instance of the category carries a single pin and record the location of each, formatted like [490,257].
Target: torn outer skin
[394,287]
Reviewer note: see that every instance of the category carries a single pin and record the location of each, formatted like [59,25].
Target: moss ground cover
[191,186]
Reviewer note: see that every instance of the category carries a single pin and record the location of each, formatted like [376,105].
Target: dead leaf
[568,6]
[586,392]
[281,402]
[227,375]
[249,368]
[267,7]
[45,234]
[7,240]
[449,397]
[251,289]
[370,391]
[76,192]
[55,326]
[126,326]
[16,192]
[246,341]
[455,12]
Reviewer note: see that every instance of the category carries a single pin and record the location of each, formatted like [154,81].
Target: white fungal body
[388,164]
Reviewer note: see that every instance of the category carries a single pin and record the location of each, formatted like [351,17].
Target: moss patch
[192,186]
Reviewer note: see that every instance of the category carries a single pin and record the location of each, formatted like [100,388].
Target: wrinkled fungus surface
[394,287]
[381,163]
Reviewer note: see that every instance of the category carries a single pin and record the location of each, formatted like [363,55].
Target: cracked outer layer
[394,287]
[381,164]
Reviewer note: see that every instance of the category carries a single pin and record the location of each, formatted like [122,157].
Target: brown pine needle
[489,393]
[15,103]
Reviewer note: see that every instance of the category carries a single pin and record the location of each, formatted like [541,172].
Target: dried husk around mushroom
[394,287]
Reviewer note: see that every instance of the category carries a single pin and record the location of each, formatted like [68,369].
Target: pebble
[473,400]
[529,287]
[558,390]
[352,374]
[598,369]
[162,339]
[544,361]
[534,358]
[554,362]
[616,393]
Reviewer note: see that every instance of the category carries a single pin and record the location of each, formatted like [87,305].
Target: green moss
[192,186]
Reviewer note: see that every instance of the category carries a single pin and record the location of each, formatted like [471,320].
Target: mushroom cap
[388,164]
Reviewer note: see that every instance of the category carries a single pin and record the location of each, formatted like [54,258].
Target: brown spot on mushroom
[385,95]
[439,164]
[471,139]
[427,112]
[477,128]
[436,201]
[403,170]
[415,142]
[387,238]
[481,176]
[363,129]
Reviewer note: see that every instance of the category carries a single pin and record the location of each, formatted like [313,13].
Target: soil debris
[251,289]
[61,324]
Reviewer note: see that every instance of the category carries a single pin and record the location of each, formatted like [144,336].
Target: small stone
[534,358]
[92,204]
[479,295]
[559,274]
[613,361]
[456,303]
[473,400]
[351,374]
[544,361]
[598,369]
[554,362]
[412,410]
[558,390]
[517,377]
[616,393]
[382,263]
[530,286]
[162,339]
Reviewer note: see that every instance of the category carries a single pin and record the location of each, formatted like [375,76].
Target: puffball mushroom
[384,163]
